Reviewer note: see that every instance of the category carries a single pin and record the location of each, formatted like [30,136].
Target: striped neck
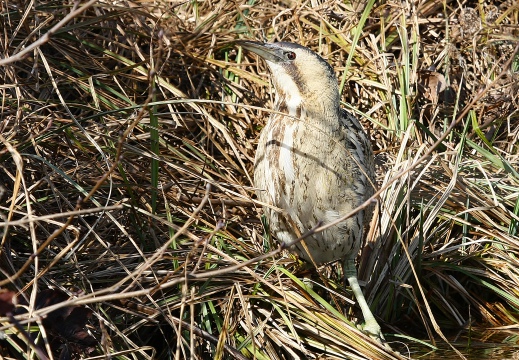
[289,105]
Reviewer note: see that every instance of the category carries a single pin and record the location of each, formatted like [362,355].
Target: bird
[314,161]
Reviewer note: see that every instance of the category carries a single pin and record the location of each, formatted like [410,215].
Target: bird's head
[301,77]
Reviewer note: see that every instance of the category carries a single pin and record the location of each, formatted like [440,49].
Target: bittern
[315,162]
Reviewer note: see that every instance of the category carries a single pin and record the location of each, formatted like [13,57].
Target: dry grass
[128,137]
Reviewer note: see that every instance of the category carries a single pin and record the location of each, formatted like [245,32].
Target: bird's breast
[286,152]
[313,175]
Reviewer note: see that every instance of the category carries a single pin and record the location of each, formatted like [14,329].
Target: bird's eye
[290,55]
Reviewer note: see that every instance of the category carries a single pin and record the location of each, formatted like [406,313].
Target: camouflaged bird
[315,162]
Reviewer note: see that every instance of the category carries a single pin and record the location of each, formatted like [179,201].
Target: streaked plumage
[314,161]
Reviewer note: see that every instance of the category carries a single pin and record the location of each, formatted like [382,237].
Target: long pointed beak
[264,50]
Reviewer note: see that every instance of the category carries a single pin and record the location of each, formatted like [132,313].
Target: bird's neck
[291,105]
[312,107]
